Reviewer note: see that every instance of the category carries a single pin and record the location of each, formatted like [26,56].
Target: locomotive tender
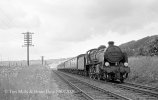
[100,63]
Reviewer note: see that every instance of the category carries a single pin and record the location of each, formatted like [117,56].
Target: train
[106,63]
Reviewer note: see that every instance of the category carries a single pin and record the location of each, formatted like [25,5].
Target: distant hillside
[144,46]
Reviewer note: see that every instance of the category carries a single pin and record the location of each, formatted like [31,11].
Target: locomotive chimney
[111,43]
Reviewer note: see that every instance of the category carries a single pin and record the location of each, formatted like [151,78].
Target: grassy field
[144,70]
[25,83]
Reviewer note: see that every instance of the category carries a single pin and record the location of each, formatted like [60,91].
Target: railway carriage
[61,66]
[74,65]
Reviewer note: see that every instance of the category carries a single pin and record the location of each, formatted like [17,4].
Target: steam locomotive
[109,63]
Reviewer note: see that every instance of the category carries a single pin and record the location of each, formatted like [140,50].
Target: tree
[153,48]
[141,51]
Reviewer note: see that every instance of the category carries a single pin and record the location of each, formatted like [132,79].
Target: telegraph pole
[42,58]
[28,43]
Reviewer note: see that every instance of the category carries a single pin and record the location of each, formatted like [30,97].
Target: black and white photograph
[78,49]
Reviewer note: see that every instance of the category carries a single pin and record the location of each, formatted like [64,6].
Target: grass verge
[144,70]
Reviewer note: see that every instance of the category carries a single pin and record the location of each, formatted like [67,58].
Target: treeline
[144,47]
[150,50]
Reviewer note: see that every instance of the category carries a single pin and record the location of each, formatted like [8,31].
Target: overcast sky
[67,28]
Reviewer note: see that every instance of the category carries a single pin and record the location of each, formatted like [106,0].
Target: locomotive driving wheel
[98,76]
[112,77]
[91,76]
[122,78]
[104,77]
[91,73]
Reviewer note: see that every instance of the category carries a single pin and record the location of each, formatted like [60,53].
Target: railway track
[90,92]
[147,91]
[143,90]
[150,93]
[142,86]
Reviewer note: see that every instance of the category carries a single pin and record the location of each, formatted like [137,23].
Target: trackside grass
[144,70]
[27,83]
